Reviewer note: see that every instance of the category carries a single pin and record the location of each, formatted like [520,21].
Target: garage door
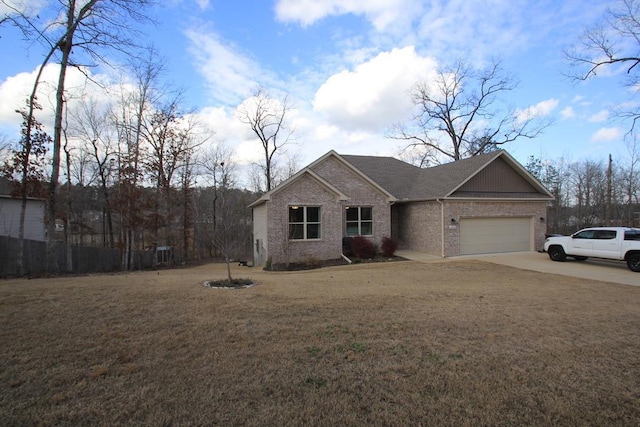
[491,235]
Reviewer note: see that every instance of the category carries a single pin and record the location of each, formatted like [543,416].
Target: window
[605,234]
[633,234]
[586,234]
[304,222]
[359,221]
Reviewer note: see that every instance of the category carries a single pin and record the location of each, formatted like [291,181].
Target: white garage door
[491,235]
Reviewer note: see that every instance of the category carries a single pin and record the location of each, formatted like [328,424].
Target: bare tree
[459,115]
[216,167]
[5,148]
[129,116]
[170,136]
[228,229]
[92,125]
[83,30]
[611,44]
[266,116]
[589,184]
[630,181]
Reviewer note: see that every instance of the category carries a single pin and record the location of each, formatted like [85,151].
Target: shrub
[389,246]
[347,246]
[362,247]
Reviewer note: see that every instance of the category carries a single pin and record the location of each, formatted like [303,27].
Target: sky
[348,67]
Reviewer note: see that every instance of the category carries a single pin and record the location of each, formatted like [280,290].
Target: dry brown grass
[447,343]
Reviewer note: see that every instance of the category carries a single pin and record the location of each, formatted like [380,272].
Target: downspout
[441,227]
[344,257]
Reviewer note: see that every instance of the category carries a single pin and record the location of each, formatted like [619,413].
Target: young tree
[215,160]
[228,229]
[458,115]
[266,116]
[27,163]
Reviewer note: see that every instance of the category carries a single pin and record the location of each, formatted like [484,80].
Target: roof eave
[477,199]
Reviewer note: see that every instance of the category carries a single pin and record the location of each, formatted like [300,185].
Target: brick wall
[419,227]
[477,209]
[419,224]
[307,191]
[360,193]
[304,191]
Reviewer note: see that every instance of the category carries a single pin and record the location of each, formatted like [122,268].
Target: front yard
[446,343]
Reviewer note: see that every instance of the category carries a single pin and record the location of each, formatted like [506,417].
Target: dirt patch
[451,343]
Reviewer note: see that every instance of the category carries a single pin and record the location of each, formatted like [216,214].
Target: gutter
[441,226]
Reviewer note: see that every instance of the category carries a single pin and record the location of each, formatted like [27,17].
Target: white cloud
[581,100]
[607,134]
[541,109]
[381,13]
[203,4]
[568,113]
[376,93]
[230,75]
[599,117]
[15,90]
[26,7]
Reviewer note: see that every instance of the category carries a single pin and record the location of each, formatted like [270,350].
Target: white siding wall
[34,228]
[260,241]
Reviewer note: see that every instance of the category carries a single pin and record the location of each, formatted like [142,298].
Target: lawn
[445,343]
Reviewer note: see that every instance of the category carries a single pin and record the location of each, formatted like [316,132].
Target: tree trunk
[65,47]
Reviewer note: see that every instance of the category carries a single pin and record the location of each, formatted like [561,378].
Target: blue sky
[348,66]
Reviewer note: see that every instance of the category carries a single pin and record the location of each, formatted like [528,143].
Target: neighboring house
[34,227]
[484,204]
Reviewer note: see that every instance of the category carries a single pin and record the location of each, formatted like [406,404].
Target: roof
[401,181]
[407,182]
[10,197]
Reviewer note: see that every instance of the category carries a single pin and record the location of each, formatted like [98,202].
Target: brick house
[488,203]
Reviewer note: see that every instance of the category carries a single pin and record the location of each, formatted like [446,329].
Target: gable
[350,180]
[497,177]
[306,172]
[305,190]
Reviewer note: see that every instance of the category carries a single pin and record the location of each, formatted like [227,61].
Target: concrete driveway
[595,269]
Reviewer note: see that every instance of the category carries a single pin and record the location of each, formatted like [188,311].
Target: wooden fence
[83,259]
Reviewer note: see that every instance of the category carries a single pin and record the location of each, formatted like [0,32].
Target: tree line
[588,192]
[124,172]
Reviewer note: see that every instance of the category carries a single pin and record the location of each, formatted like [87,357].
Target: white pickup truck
[619,243]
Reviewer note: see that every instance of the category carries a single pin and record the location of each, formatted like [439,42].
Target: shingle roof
[408,182]
[404,182]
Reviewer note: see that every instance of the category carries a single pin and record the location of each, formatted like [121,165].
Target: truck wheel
[581,258]
[633,262]
[556,253]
